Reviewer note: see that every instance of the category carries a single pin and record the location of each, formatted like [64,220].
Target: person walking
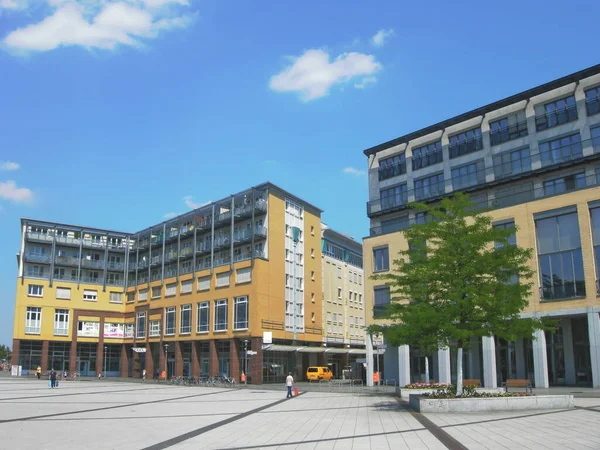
[38,372]
[289,382]
[52,378]
[144,374]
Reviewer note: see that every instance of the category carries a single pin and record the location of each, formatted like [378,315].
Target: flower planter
[405,393]
[424,404]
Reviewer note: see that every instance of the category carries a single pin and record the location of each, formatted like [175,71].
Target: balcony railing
[92,280]
[221,242]
[561,154]
[185,252]
[222,261]
[115,282]
[170,273]
[555,118]
[66,261]
[117,247]
[65,240]
[35,274]
[39,237]
[172,234]
[202,265]
[116,266]
[387,203]
[203,247]
[508,133]
[142,279]
[61,332]
[428,159]
[91,243]
[259,254]
[593,106]
[35,329]
[65,277]
[155,276]
[156,260]
[260,231]
[143,264]
[466,147]
[170,256]
[185,269]
[36,258]
[92,264]
[242,256]
[223,217]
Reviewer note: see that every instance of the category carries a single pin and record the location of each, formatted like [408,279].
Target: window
[339,295]
[360,279]
[33,320]
[512,163]
[130,297]
[63,293]
[512,240]
[312,275]
[223,279]
[556,113]
[116,297]
[35,290]
[382,299]
[430,186]
[35,271]
[186,319]
[203,317]
[61,322]
[186,286]
[204,283]
[143,295]
[465,142]
[596,139]
[391,167]
[90,295]
[339,271]
[560,259]
[509,128]
[332,250]
[466,176]
[129,330]
[140,325]
[427,155]
[244,275]
[221,315]
[381,259]
[360,298]
[564,184]
[240,313]
[559,150]
[170,320]
[88,329]
[592,101]
[312,252]
[171,290]
[393,197]
[154,328]
[312,297]
[156,291]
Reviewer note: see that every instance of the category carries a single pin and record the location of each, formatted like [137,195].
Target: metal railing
[33,329]
[61,331]
[35,274]
[113,265]
[509,133]
[66,260]
[115,282]
[93,243]
[92,264]
[39,237]
[33,257]
[65,277]
[65,240]
[92,280]
[464,148]
[555,118]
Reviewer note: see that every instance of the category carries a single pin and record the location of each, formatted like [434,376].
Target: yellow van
[318,373]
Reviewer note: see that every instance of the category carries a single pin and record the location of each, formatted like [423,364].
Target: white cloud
[96,24]
[364,82]
[191,204]
[9,165]
[12,4]
[378,40]
[312,74]
[353,171]
[10,191]
[170,215]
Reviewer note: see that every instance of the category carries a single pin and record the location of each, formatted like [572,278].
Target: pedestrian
[52,378]
[38,372]
[156,374]
[289,382]
[144,374]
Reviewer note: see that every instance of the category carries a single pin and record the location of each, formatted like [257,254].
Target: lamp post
[246,361]
[166,360]
[104,361]
[295,238]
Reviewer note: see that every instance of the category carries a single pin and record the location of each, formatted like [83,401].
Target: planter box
[405,393]
[425,405]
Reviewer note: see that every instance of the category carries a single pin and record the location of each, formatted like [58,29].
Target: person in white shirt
[289,382]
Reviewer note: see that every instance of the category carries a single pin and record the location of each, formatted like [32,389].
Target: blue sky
[113,114]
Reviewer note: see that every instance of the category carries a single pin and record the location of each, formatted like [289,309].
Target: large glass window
[240,313]
[381,296]
[465,143]
[140,325]
[391,167]
[564,184]
[431,186]
[154,328]
[186,319]
[393,197]
[512,240]
[427,155]
[596,138]
[203,317]
[595,214]
[508,128]
[61,322]
[381,259]
[466,176]
[221,315]
[170,320]
[34,290]
[512,163]
[560,150]
[556,113]
[33,320]
[592,101]
[560,259]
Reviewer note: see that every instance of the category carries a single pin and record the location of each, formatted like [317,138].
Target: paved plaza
[130,415]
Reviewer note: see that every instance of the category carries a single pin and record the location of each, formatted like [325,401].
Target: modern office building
[190,295]
[343,304]
[534,160]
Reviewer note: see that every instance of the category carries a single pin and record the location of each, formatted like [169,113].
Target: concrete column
[255,362]
[474,360]
[369,345]
[540,360]
[149,365]
[234,359]
[403,366]
[569,351]
[490,379]
[520,358]
[44,361]
[137,370]
[594,333]
[213,364]
[100,358]
[178,359]
[124,361]
[444,375]
[73,357]
[162,362]
[195,359]
[321,359]
[15,353]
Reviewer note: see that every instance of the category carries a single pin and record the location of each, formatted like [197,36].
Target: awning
[279,348]
[311,349]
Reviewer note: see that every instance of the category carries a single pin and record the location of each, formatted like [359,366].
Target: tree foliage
[460,278]
[4,352]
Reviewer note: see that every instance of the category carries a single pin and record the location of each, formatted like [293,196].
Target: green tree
[4,352]
[460,278]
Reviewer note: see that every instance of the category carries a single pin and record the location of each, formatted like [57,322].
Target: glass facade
[560,150]
[430,186]
[393,197]
[427,155]
[391,167]
[512,163]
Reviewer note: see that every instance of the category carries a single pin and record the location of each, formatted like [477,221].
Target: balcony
[171,235]
[242,256]
[143,264]
[156,260]
[203,247]
[64,277]
[155,276]
[142,279]
[387,204]
[115,282]
[143,244]
[203,223]
[186,252]
[222,261]
[245,210]
[392,171]
[560,155]
[170,273]
[508,133]
[221,242]
[35,274]
[68,241]
[185,269]
[170,256]
[186,231]
[36,258]
[92,264]
[39,237]
[260,231]
[93,243]
[223,218]
[92,280]
[259,254]
[555,118]
[156,240]
[593,106]
[117,247]
[115,266]
[66,261]
[202,265]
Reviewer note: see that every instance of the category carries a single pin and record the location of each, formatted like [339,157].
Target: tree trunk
[426,369]
[459,371]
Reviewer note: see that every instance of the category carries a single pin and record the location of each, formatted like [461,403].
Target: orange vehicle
[318,373]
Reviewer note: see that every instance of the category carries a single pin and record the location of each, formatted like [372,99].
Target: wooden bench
[526,384]
[473,383]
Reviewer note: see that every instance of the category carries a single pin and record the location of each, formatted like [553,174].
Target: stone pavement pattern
[109,415]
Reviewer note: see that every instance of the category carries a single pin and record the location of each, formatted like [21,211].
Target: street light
[104,368]
[166,359]
[295,238]
[245,361]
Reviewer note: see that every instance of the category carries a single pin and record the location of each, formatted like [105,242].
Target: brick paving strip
[74,393]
